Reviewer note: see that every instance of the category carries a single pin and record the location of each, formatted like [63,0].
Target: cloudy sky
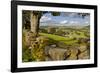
[64,19]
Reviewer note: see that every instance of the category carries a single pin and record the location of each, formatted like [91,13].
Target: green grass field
[58,38]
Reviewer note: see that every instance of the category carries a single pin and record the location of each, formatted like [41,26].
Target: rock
[73,54]
[72,57]
[47,50]
[82,48]
[57,53]
[68,53]
[74,51]
[84,55]
[53,45]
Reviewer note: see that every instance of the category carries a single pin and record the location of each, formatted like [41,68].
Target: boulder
[73,54]
[74,51]
[47,50]
[84,55]
[82,48]
[72,57]
[53,46]
[57,53]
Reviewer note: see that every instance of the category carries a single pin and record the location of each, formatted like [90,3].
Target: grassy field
[58,38]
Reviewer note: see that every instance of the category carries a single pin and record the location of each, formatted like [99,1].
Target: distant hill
[56,24]
[77,26]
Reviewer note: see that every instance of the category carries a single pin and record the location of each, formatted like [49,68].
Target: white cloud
[63,22]
[86,22]
[45,18]
[74,22]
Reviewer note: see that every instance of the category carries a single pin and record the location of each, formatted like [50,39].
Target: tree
[83,14]
[26,19]
[34,18]
[34,21]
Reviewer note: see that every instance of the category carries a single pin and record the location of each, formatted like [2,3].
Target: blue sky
[64,19]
